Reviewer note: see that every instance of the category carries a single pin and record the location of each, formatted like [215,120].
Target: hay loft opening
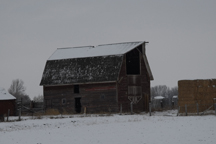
[133,62]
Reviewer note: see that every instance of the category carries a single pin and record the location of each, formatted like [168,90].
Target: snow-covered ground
[162,127]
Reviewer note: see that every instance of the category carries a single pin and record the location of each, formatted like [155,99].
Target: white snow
[90,51]
[175,97]
[158,97]
[4,95]
[118,129]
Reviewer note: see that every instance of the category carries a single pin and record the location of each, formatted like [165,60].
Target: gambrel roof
[87,64]
[81,70]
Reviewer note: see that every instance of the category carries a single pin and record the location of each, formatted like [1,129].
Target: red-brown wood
[7,104]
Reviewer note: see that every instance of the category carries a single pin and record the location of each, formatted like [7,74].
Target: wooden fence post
[149,109]
[197,108]
[215,108]
[20,114]
[131,104]
[186,110]
[8,115]
[84,111]
[161,103]
[172,104]
[121,109]
[44,104]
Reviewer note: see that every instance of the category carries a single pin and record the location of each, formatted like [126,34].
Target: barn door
[78,105]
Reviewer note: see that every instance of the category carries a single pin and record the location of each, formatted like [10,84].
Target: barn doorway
[78,105]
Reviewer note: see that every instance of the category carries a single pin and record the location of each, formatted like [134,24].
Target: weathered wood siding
[53,96]
[145,83]
[95,97]
[123,88]
[142,80]
[99,97]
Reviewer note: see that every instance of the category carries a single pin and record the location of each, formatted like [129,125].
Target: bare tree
[174,91]
[17,89]
[38,98]
[163,90]
[25,98]
[160,90]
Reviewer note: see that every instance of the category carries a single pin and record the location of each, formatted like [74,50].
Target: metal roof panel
[90,51]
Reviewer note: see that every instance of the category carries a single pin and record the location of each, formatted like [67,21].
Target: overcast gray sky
[181,35]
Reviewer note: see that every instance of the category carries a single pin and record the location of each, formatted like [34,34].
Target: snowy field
[161,128]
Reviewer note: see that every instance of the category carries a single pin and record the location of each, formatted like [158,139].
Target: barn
[7,101]
[104,78]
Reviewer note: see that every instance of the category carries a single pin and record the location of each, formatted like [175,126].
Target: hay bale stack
[198,91]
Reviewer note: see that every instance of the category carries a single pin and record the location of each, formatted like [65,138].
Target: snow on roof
[4,95]
[175,96]
[90,51]
[158,97]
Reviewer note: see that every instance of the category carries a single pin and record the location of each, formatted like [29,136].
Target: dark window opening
[76,88]
[133,62]
[63,101]
[78,105]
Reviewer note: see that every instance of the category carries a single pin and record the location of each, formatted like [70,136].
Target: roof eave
[78,83]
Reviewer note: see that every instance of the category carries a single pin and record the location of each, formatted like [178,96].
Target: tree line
[17,89]
[163,90]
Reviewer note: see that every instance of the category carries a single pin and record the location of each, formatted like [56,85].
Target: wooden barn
[196,95]
[98,79]
[7,101]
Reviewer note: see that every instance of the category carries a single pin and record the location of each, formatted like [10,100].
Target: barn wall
[97,98]
[7,104]
[192,92]
[126,81]
[123,88]
[53,96]
[145,82]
